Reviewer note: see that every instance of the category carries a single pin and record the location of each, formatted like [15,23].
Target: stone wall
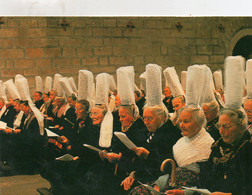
[40,46]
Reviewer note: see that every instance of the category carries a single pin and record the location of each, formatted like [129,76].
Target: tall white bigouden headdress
[73,85]
[112,83]
[23,88]
[208,88]
[85,86]
[183,77]
[154,87]
[126,86]
[173,82]
[48,84]
[3,91]
[102,91]
[57,86]
[142,79]
[12,89]
[66,86]
[249,78]
[39,83]
[234,81]
[217,75]
[194,84]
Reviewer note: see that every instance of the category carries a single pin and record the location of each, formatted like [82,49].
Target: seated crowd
[209,147]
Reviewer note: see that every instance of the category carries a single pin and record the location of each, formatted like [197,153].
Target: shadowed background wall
[47,45]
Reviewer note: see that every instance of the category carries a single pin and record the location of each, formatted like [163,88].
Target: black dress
[159,144]
[229,168]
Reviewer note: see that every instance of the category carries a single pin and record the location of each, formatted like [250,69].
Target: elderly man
[211,111]
[135,130]
[248,110]
[157,147]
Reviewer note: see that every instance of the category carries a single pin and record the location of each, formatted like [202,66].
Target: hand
[61,128]
[76,158]
[56,126]
[52,119]
[8,131]
[16,131]
[156,188]
[175,192]
[103,154]
[63,139]
[141,152]
[112,157]
[127,182]
[220,193]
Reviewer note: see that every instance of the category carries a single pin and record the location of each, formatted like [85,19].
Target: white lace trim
[191,150]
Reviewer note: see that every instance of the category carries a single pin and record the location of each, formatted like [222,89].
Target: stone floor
[22,184]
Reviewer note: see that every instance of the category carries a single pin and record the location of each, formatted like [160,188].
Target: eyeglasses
[148,118]
[224,126]
[78,109]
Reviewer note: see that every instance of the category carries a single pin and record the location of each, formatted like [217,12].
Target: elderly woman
[28,145]
[63,175]
[228,169]
[157,147]
[118,159]
[192,148]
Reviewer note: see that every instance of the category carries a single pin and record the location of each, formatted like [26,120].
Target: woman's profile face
[228,130]
[188,126]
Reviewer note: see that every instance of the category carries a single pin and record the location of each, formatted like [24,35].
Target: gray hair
[197,114]
[158,111]
[130,108]
[103,107]
[213,105]
[181,97]
[238,116]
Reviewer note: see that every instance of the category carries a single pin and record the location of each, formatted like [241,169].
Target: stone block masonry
[41,46]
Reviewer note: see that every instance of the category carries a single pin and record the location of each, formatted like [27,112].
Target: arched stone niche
[239,35]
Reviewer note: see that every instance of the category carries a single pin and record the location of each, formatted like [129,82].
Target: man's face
[126,118]
[79,111]
[151,121]
[167,92]
[248,110]
[36,97]
[177,104]
[209,114]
